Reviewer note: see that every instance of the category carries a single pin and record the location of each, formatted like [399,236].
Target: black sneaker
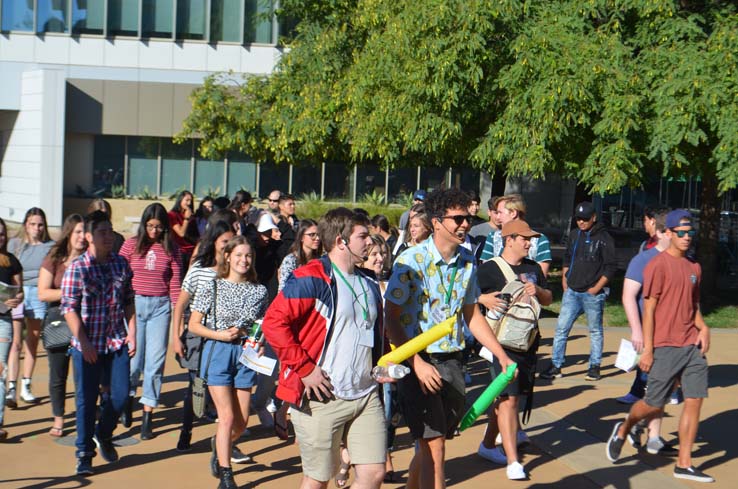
[593,373]
[107,449]
[183,445]
[214,465]
[614,444]
[226,479]
[84,466]
[553,372]
[690,473]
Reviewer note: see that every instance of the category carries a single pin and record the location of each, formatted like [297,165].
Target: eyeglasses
[154,227]
[458,220]
[312,235]
[684,232]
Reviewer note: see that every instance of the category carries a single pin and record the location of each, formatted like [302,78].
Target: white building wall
[33,163]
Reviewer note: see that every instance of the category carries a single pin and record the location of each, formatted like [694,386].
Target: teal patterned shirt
[419,284]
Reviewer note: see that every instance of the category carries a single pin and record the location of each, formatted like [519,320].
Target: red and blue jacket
[299,322]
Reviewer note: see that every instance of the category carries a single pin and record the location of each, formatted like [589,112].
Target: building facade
[92,92]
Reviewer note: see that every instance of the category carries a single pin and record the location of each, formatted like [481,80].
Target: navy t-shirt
[635,271]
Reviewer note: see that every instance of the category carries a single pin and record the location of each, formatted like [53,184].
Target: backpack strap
[506,269]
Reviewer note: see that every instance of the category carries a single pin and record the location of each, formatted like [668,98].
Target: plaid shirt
[99,292]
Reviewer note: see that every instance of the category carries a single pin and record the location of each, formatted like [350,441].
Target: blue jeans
[87,379]
[573,304]
[153,315]
[638,388]
[6,339]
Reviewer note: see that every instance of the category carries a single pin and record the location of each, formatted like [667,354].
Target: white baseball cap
[266,223]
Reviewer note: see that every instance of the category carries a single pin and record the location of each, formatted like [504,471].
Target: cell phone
[505,297]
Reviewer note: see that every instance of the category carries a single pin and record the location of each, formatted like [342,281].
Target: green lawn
[723,315]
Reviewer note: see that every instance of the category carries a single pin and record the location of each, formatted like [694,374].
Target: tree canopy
[597,90]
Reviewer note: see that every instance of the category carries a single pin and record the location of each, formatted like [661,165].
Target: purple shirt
[99,292]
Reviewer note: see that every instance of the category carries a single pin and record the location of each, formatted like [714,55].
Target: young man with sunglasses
[431,282]
[676,340]
[589,265]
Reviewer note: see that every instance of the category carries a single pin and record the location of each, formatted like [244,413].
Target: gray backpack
[518,327]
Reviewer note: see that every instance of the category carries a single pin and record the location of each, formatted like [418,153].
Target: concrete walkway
[569,424]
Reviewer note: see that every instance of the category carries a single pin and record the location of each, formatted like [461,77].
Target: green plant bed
[315,209]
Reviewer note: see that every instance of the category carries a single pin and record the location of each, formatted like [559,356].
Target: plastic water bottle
[392,371]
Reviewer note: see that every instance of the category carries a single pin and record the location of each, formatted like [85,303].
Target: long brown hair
[34,211]
[224,268]
[60,251]
[143,243]
[4,258]
[297,248]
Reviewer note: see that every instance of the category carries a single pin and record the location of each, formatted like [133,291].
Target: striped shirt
[99,293]
[155,274]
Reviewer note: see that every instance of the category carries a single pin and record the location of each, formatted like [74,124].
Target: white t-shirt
[348,359]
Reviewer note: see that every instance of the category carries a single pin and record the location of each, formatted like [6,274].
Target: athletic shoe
[107,449]
[494,455]
[676,397]
[238,457]
[634,435]
[692,474]
[628,399]
[593,373]
[214,465]
[271,407]
[10,398]
[657,446]
[26,393]
[265,418]
[553,372]
[522,437]
[515,472]
[84,466]
[614,444]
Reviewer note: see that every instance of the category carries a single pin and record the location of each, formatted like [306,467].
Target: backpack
[518,327]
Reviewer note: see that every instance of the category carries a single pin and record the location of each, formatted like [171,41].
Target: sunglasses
[273,200]
[458,220]
[682,232]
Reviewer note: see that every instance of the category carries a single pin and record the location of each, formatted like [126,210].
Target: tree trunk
[707,253]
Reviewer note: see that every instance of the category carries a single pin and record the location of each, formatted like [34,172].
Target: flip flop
[56,432]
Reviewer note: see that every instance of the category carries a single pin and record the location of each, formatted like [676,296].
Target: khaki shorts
[321,426]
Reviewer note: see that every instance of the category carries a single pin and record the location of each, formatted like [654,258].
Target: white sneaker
[494,455]
[238,457]
[523,438]
[516,472]
[26,393]
[271,407]
[265,418]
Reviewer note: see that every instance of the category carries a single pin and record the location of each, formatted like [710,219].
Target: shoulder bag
[200,384]
[55,331]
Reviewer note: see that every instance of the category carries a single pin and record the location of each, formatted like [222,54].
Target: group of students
[332,296]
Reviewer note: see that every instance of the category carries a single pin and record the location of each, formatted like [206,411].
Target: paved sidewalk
[568,427]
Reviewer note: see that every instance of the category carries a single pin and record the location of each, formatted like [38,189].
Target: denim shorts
[33,307]
[224,368]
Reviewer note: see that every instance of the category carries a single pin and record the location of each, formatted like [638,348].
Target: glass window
[157,18]
[225,20]
[142,165]
[241,174]
[305,179]
[432,178]
[273,177]
[465,178]
[369,179]
[176,160]
[338,181]
[88,16]
[17,15]
[258,21]
[122,18]
[108,163]
[402,181]
[191,19]
[52,16]
[209,177]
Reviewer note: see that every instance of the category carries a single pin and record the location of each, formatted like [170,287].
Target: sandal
[56,432]
[343,472]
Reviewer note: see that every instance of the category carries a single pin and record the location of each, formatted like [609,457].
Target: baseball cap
[519,227]
[419,195]
[674,218]
[266,223]
[584,210]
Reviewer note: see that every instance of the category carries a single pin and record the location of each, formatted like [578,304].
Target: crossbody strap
[506,269]
[212,309]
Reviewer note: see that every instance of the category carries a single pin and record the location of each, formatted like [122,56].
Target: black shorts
[527,361]
[434,415]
